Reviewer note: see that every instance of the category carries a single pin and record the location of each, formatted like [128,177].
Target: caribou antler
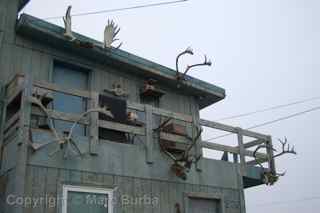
[187,51]
[286,148]
[270,177]
[205,63]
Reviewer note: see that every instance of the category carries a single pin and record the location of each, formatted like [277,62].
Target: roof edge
[22,4]
[41,30]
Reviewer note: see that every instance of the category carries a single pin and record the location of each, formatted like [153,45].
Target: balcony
[24,99]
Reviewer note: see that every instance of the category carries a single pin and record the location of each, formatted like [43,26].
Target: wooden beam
[149,133]
[11,131]
[253,143]
[272,164]
[94,124]
[219,147]
[254,162]
[232,129]
[60,115]
[12,121]
[173,138]
[136,106]
[230,149]
[174,115]
[242,152]
[56,88]
[14,86]
[14,94]
[122,127]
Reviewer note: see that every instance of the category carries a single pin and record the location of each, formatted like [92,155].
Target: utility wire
[289,201]
[120,9]
[270,122]
[269,109]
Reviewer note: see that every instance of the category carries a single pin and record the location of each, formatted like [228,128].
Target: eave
[39,30]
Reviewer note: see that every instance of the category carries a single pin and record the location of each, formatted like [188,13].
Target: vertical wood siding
[48,182]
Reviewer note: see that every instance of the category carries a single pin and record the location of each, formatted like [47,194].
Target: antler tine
[117,30]
[206,61]
[286,148]
[282,174]
[189,51]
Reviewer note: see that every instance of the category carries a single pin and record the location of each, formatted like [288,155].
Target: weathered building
[50,82]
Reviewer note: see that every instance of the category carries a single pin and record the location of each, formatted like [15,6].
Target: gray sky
[265,53]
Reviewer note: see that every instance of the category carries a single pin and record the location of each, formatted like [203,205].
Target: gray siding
[117,165]
[48,182]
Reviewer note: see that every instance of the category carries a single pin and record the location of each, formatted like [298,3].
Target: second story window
[69,77]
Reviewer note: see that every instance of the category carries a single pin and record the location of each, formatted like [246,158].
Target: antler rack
[189,51]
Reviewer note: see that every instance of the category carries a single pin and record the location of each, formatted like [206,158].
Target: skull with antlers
[271,177]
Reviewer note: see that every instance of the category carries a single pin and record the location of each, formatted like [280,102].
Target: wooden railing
[92,121]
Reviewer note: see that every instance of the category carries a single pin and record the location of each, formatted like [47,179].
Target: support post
[271,161]
[241,169]
[149,134]
[198,145]
[94,124]
[23,137]
[242,152]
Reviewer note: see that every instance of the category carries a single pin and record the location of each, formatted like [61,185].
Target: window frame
[206,196]
[86,189]
[77,66]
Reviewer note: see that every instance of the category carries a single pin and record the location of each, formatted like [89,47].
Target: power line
[289,201]
[269,109]
[120,9]
[270,122]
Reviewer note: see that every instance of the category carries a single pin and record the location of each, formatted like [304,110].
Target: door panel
[197,205]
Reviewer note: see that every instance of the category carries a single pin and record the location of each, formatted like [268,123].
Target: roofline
[22,4]
[51,34]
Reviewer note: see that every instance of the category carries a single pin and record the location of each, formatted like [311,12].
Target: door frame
[207,196]
[86,189]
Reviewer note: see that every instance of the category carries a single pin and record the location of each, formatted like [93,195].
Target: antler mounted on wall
[68,24]
[286,148]
[181,75]
[182,162]
[271,177]
[110,33]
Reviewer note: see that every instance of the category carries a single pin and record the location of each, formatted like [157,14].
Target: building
[137,149]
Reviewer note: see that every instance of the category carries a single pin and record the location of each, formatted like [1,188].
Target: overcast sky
[265,53]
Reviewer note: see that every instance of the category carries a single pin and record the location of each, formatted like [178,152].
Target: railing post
[23,137]
[241,152]
[149,133]
[242,169]
[271,161]
[94,124]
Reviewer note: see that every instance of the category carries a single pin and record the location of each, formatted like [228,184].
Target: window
[87,199]
[70,77]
